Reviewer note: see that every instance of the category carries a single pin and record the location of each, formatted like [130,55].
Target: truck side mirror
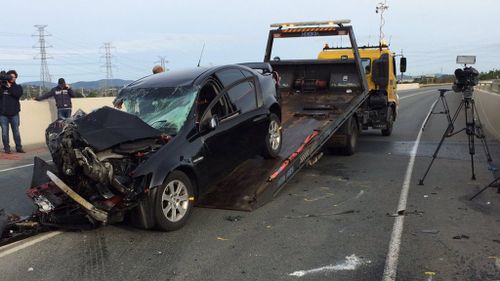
[402,64]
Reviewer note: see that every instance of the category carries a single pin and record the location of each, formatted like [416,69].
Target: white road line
[391,262]
[39,239]
[19,167]
[417,94]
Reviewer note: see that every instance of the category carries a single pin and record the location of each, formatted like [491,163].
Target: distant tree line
[492,74]
[447,78]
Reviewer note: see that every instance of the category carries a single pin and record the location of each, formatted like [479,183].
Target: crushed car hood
[107,127]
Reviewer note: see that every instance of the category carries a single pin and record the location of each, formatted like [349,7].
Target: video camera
[466,78]
[4,78]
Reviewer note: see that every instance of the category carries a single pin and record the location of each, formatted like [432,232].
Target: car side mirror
[402,65]
[210,124]
[213,122]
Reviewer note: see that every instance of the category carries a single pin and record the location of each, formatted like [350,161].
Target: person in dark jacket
[9,111]
[62,94]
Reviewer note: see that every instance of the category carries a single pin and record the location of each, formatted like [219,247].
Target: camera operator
[62,94]
[9,110]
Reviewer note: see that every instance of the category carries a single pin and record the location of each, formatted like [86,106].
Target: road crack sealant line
[391,261]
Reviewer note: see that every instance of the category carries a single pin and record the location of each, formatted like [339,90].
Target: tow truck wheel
[272,145]
[174,202]
[390,123]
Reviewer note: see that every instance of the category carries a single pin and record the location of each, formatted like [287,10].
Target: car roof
[179,78]
[176,78]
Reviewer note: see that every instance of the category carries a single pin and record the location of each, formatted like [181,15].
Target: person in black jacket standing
[62,94]
[9,111]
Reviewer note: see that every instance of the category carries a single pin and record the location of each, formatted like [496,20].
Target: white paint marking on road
[39,239]
[417,94]
[19,167]
[391,262]
[351,262]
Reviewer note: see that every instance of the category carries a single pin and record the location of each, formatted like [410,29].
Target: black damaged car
[181,132]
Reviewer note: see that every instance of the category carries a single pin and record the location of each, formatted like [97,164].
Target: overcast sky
[431,32]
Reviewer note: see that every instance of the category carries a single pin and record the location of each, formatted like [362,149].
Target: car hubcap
[274,135]
[175,201]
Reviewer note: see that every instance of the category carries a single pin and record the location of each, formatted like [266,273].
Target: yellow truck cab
[381,108]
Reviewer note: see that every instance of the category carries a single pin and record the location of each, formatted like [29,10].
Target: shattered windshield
[165,109]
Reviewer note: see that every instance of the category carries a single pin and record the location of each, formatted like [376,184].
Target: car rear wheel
[174,202]
[272,145]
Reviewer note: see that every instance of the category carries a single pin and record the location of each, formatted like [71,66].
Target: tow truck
[379,63]
[324,103]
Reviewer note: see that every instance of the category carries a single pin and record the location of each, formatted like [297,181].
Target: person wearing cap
[9,111]
[62,94]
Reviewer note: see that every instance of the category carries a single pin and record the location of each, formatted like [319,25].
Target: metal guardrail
[490,86]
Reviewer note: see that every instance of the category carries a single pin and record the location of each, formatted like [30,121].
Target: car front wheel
[272,145]
[174,202]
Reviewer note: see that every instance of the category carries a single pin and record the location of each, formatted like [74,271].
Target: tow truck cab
[379,63]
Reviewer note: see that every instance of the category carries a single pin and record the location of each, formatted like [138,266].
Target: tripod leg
[429,115]
[481,136]
[484,188]
[446,134]
[471,134]
[446,109]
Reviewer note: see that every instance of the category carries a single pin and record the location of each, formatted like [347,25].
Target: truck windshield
[165,109]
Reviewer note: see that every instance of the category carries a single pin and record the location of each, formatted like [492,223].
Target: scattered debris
[328,195]
[461,236]
[416,212]
[430,231]
[234,218]
[351,262]
[430,275]
[221,238]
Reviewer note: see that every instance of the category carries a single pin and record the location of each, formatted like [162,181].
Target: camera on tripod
[466,78]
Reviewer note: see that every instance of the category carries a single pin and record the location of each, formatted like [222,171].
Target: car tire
[390,123]
[174,202]
[274,138]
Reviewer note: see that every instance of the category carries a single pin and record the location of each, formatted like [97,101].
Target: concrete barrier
[36,116]
[488,104]
[409,86]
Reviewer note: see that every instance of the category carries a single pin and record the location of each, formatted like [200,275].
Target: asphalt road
[334,221]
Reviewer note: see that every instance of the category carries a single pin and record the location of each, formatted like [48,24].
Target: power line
[44,68]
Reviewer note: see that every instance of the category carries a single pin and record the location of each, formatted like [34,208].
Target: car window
[229,76]
[243,96]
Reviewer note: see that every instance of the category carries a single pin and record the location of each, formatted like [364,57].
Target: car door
[253,120]
[219,152]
